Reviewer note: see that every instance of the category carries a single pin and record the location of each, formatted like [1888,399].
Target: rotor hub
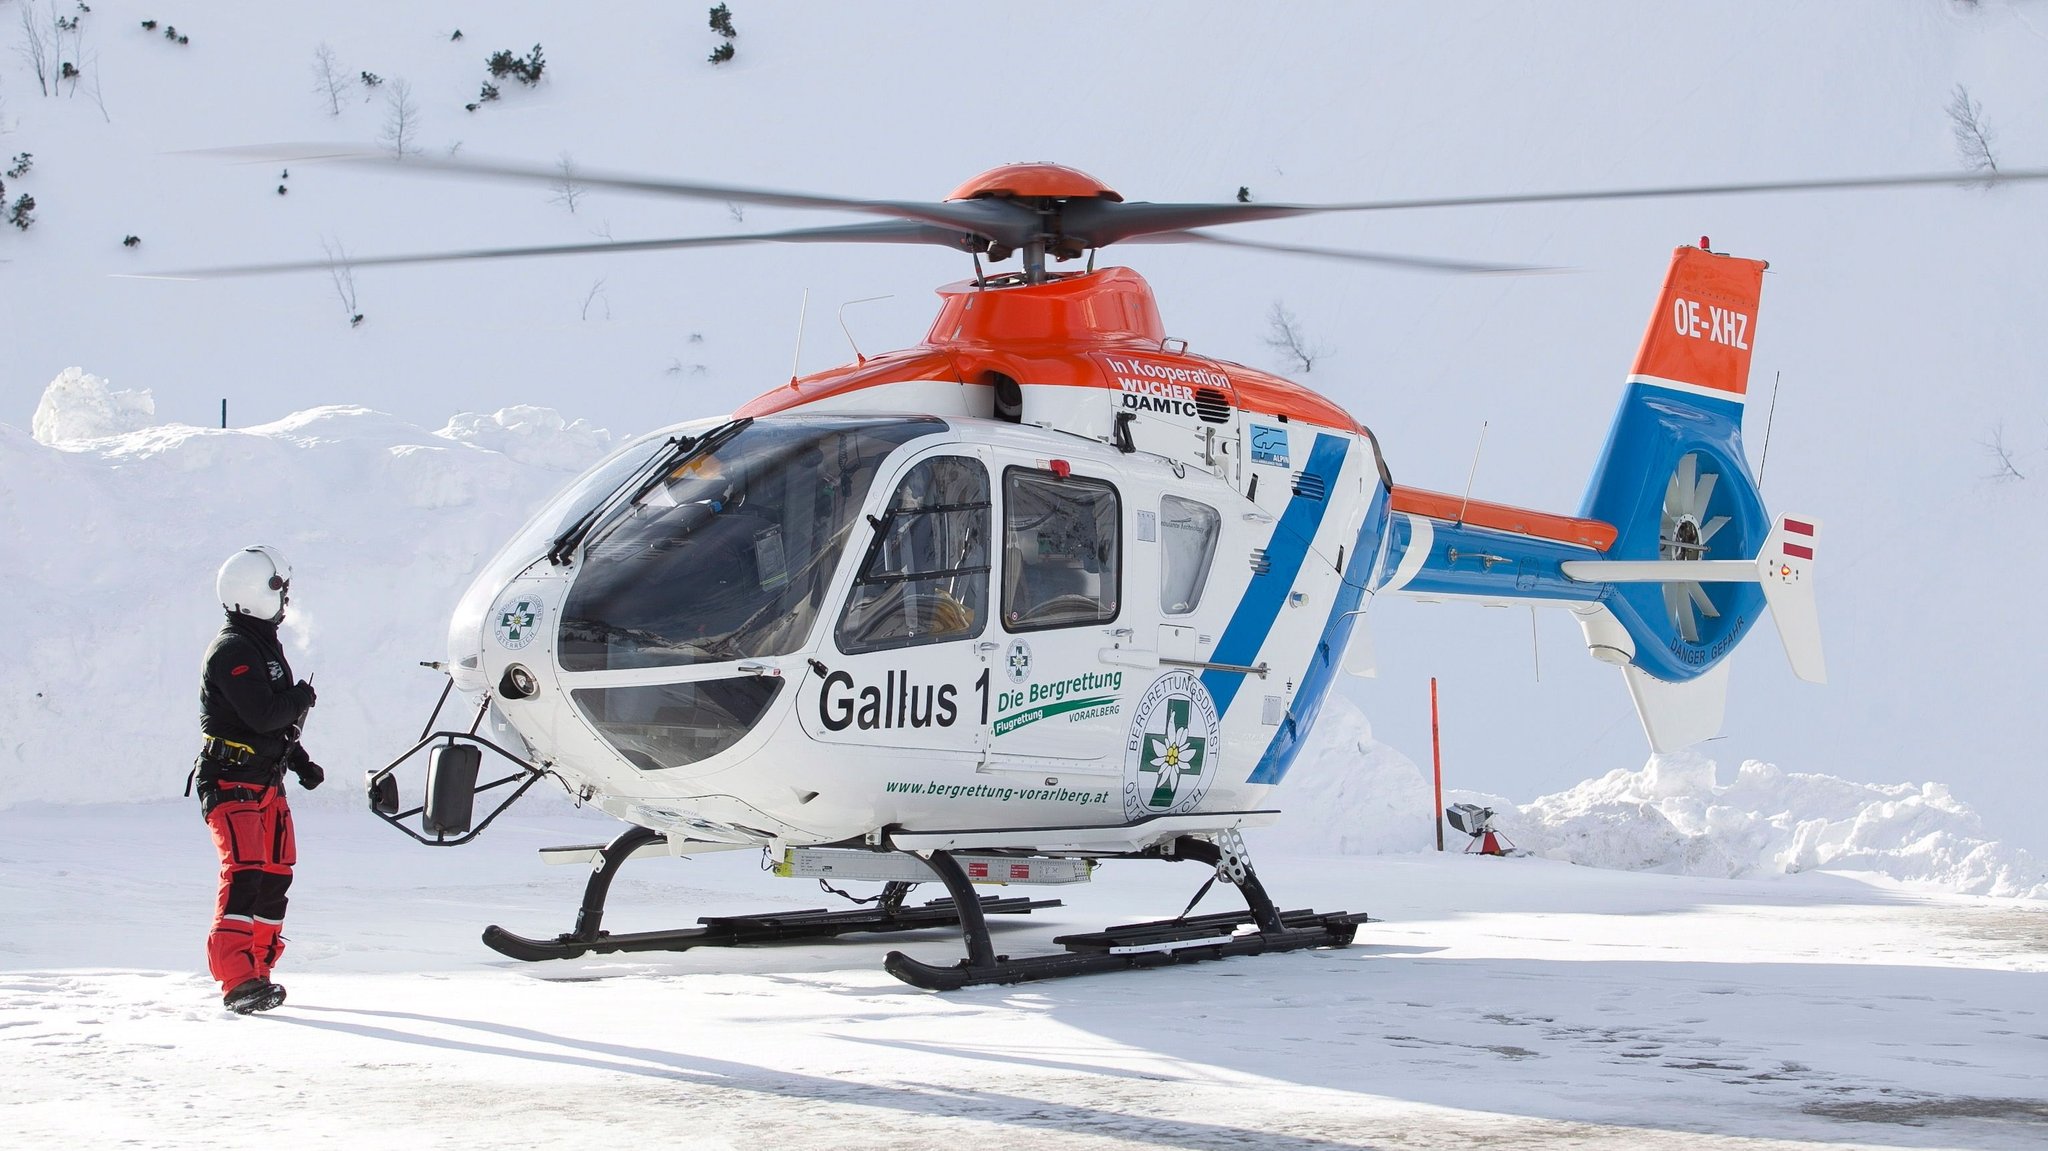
[1684,541]
[1040,181]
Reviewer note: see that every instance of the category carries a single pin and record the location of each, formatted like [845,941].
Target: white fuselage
[1122,635]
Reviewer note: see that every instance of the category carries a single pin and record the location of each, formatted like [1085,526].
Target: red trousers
[252,830]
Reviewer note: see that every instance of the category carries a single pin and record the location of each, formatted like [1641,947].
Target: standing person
[251,711]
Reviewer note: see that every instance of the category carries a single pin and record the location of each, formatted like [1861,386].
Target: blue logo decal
[1269,445]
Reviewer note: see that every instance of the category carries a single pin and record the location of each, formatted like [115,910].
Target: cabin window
[1062,555]
[1187,545]
[925,576]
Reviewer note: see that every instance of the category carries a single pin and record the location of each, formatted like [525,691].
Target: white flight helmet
[255,581]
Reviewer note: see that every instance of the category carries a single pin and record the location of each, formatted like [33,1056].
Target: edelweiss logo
[1167,758]
[518,621]
[1018,661]
[1172,755]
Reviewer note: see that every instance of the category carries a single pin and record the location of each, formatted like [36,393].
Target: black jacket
[248,696]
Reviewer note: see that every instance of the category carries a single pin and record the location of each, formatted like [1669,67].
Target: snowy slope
[1901,322]
[115,542]
[1904,325]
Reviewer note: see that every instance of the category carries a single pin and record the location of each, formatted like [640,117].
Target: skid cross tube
[590,916]
[981,951]
[1261,905]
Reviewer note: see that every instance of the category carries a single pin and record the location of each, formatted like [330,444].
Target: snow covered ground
[1500,1002]
[1903,327]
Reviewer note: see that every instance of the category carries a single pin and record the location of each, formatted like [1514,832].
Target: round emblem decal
[517,620]
[1018,661]
[1169,756]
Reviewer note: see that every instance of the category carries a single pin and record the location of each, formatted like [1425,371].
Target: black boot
[252,995]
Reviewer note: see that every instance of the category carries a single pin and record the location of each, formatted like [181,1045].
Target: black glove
[209,797]
[309,773]
[307,694]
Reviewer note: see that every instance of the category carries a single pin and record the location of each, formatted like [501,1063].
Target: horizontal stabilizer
[1785,566]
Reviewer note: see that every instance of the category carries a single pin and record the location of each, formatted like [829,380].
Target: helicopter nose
[516,641]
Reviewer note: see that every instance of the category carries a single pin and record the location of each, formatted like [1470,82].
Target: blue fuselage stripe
[1285,552]
[1322,666]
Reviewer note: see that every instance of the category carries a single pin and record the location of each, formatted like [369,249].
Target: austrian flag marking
[1799,551]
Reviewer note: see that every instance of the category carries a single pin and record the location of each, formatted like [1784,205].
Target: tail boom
[1672,556]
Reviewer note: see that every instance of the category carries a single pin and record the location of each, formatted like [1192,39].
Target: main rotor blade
[1100,223]
[994,219]
[1925,179]
[886,232]
[1012,224]
[1384,259]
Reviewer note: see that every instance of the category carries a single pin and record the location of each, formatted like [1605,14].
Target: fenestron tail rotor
[1683,534]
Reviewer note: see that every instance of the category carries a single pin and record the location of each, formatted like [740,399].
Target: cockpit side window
[925,577]
[1062,554]
[1187,546]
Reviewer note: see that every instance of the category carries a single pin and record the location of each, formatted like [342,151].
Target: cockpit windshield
[729,554]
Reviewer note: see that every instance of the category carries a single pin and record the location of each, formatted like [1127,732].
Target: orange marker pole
[1436,755]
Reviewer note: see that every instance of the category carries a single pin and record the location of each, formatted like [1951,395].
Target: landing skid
[1156,944]
[888,914]
[744,930]
[1260,928]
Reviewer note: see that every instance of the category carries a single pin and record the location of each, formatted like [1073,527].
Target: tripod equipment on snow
[1477,822]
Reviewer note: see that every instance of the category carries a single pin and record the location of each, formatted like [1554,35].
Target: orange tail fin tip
[1701,334]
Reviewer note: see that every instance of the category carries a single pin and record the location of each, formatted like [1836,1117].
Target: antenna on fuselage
[842,324]
[797,356]
[1469,476]
[1769,419]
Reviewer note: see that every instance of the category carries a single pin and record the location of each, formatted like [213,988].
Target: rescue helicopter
[1053,588]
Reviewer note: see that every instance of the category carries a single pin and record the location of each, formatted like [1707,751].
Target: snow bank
[81,406]
[1673,816]
[114,541]
[1349,794]
[530,435]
